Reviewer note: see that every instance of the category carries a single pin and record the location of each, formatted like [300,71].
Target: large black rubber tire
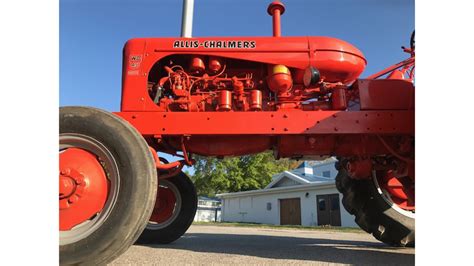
[136,190]
[372,212]
[184,219]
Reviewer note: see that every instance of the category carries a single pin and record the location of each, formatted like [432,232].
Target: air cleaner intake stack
[276,9]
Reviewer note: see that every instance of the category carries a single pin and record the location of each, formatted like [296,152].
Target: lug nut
[66,171]
[72,199]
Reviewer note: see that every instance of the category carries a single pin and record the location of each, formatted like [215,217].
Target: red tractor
[232,96]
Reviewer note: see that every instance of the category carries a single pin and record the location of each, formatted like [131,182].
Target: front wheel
[383,205]
[107,185]
[174,211]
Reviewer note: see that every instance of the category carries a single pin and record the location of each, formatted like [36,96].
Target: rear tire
[173,228]
[373,213]
[135,189]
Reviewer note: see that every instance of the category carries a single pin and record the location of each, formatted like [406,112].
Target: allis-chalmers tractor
[231,96]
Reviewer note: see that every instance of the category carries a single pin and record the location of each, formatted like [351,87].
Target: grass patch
[296,227]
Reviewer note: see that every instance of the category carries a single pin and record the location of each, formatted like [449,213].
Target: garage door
[290,211]
[328,210]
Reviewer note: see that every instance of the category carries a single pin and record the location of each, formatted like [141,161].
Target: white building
[208,210]
[304,196]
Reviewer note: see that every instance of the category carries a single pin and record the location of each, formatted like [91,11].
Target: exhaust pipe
[187,19]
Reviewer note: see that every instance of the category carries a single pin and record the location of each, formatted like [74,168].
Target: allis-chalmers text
[215,44]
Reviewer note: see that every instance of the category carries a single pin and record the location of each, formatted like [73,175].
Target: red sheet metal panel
[386,94]
[272,123]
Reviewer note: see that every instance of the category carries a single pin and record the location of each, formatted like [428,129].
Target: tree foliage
[213,176]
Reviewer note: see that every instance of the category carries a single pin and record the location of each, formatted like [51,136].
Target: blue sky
[93,32]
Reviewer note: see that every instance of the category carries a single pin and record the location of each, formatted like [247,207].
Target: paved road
[203,245]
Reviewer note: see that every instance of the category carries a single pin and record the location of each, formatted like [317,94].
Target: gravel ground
[204,245]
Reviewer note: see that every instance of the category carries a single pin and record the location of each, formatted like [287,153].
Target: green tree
[213,176]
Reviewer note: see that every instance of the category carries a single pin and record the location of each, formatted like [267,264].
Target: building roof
[327,184]
[316,164]
[313,164]
[209,199]
[298,178]
[303,174]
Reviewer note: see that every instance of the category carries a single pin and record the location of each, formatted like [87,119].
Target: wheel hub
[67,186]
[164,206]
[83,187]
[167,206]
[400,190]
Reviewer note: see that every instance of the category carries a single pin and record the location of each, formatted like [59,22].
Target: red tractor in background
[232,96]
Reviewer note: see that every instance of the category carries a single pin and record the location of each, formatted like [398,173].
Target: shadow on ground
[293,248]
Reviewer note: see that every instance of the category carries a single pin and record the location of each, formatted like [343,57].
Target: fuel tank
[336,60]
